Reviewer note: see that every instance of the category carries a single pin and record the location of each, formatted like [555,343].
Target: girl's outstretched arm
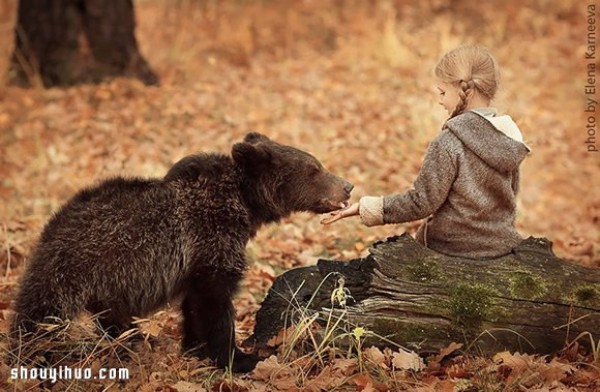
[429,191]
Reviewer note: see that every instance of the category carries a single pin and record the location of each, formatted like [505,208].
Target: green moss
[412,334]
[525,285]
[586,294]
[470,305]
[398,331]
[423,271]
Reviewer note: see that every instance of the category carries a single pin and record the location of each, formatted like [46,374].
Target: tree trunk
[46,42]
[528,301]
[109,27]
[47,37]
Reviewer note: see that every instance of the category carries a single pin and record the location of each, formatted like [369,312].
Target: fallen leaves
[530,370]
[444,352]
[405,360]
[375,356]
[350,83]
[185,386]
[365,383]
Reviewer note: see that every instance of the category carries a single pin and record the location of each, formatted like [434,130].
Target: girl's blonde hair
[472,69]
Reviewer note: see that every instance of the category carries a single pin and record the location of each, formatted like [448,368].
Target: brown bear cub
[128,246]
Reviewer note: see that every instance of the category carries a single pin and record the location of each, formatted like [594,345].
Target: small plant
[340,294]
[594,344]
[358,333]
[318,339]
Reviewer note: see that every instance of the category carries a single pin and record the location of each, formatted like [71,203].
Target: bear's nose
[348,187]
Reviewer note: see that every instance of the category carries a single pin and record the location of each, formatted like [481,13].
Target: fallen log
[528,301]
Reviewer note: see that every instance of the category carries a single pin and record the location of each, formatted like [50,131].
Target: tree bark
[528,301]
[109,27]
[47,37]
[46,42]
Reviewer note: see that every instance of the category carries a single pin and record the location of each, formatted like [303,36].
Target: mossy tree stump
[528,301]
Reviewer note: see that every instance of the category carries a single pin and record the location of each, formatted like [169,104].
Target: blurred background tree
[55,39]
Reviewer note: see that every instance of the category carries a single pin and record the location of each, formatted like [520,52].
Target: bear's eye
[314,170]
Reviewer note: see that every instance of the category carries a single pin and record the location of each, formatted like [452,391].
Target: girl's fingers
[335,216]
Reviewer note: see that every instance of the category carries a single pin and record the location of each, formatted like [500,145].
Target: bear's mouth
[331,206]
[344,204]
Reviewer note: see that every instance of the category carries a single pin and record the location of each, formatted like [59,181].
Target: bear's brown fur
[127,246]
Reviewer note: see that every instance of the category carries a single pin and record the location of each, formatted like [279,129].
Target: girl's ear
[251,155]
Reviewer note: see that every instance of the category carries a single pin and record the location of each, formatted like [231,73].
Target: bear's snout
[336,197]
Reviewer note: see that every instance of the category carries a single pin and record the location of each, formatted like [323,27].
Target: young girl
[469,180]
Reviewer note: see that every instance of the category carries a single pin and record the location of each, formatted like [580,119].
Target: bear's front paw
[244,363]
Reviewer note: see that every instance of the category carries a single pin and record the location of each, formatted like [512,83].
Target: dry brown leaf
[555,370]
[287,384]
[407,360]
[364,383]
[533,370]
[446,386]
[322,382]
[461,371]
[283,336]
[587,376]
[151,328]
[452,347]
[345,366]
[375,356]
[516,362]
[266,368]
[185,386]
[280,376]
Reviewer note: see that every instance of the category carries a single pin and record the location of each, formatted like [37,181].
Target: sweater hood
[496,140]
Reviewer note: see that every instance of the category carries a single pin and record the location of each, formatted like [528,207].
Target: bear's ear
[255,137]
[250,155]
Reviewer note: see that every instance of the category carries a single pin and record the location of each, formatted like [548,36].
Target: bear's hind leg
[113,326]
[35,306]
[29,341]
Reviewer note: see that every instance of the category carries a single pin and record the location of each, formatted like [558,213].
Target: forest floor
[351,82]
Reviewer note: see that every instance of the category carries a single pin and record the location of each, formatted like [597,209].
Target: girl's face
[448,96]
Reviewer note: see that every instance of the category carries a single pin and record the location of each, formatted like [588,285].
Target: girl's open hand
[339,214]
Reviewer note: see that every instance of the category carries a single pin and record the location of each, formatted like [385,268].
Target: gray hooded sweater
[467,187]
